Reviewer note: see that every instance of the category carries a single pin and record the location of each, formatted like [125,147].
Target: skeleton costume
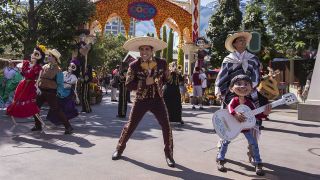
[67,95]
[24,101]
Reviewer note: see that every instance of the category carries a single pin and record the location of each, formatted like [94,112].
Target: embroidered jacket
[137,75]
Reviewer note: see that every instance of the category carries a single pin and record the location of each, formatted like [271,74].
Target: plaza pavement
[290,149]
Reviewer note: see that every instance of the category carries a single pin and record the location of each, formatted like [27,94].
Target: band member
[24,101]
[122,105]
[241,86]
[50,79]
[146,76]
[67,95]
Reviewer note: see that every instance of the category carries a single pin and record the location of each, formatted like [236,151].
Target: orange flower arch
[106,9]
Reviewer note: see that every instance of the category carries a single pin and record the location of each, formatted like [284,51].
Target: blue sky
[144,27]
[205,2]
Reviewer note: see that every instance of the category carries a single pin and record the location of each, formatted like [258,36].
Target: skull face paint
[72,67]
[35,56]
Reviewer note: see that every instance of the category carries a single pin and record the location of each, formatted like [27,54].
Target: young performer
[147,76]
[241,86]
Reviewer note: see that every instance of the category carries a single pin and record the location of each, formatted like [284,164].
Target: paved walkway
[290,149]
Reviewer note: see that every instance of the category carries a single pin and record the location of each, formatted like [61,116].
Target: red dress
[24,101]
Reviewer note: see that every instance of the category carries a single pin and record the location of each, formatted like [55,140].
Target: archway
[183,19]
[159,11]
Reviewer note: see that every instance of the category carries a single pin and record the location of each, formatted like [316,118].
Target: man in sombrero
[146,76]
[239,61]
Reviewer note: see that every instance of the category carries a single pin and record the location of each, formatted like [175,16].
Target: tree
[164,38]
[51,22]
[227,18]
[180,58]
[253,20]
[107,51]
[170,47]
[294,25]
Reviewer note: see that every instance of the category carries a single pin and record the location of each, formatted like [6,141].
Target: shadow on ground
[275,172]
[183,172]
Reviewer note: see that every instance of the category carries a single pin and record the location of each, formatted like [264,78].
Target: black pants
[50,96]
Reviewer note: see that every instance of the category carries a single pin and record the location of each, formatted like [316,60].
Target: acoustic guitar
[228,127]
[268,86]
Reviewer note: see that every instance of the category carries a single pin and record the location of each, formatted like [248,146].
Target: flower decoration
[163,10]
[43,48]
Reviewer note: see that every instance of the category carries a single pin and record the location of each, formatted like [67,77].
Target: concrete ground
[290,149]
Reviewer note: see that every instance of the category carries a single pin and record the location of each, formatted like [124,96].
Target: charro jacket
[137,75]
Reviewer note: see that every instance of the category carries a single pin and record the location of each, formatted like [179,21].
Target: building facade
[115,27]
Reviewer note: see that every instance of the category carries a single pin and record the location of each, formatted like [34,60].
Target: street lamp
[291,52]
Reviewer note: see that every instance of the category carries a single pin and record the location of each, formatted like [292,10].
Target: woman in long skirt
[172,96]
[24,102]
[67,95]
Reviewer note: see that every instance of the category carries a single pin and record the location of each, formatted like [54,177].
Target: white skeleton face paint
[72,67]
[35,56]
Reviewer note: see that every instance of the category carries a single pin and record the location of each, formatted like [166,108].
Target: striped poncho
[235,64]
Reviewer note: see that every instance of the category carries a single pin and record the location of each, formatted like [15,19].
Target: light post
[290,52]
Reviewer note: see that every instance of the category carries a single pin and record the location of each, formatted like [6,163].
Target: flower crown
[43,48]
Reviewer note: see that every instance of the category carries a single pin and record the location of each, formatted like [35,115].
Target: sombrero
[134,43]
[56,54]
[231,38]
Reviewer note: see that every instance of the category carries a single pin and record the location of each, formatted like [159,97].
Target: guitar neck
[262,108]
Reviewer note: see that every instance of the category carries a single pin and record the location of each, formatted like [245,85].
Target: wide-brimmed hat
[231,38]
[55,53]
[134,43]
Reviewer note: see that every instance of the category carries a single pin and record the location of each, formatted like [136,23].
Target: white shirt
[203,78]
[69,79]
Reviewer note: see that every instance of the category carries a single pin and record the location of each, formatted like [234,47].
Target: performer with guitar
[242,86]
